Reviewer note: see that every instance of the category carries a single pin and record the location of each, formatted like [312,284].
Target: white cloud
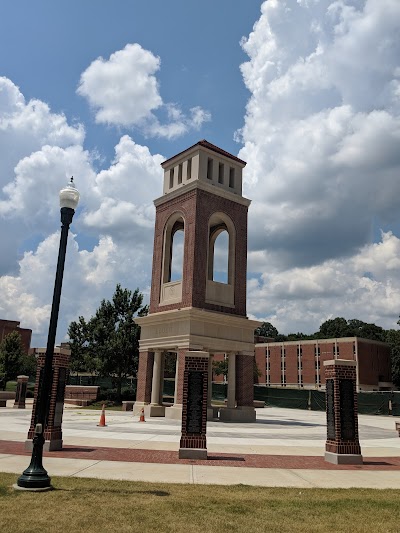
[321,135]
[116,213]
[321,138]
[124,91]
[365,286]
[89,277]
[38,150]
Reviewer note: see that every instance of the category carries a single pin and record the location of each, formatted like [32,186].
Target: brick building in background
[8,326]
[300,364]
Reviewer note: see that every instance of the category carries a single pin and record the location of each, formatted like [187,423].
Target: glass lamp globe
[69,196]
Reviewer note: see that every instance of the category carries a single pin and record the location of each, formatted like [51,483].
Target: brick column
[231,403]
[244,380]
[193,443]
[20,395]
[144,380]
[241,365]
[342,444]
[53,427]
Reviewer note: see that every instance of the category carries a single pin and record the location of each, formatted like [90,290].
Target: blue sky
[45,46]
[307,92]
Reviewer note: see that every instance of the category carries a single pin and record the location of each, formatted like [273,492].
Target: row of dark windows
[299,367]
[221,171]
[210,169]
[180,170]
[317,351]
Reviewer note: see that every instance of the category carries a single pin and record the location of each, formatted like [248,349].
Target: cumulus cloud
[124,91]
[365,286]
[38,150]
[89,277]
[115,217]
[322,126]
[321,138]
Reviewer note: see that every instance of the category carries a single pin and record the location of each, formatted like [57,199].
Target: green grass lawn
[90,505]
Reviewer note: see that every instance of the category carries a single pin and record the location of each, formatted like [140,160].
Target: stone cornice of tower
[205,187]
[208,147]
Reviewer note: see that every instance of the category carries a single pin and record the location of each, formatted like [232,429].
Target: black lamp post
[35,477]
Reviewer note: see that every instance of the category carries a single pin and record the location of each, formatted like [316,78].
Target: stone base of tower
[343,458]
[174,412]
[196,329]
[149,410]
[212,413]
[192,329]
[237,414]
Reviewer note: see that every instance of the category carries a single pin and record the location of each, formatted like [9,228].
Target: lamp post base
[35,476]
[37,479]
[44,489]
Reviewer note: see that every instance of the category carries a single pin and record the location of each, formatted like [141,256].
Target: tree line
[13,360]
[107,344]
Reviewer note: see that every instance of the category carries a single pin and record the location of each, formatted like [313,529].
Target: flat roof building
[8,326]
[300,363]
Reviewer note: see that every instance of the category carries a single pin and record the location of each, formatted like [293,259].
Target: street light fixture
[35,477]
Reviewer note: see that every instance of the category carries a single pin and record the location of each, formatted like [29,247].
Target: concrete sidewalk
[284,448]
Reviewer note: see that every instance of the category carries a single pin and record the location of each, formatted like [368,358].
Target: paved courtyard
[284,447]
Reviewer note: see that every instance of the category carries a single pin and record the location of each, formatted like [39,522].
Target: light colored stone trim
[196,184]
[340,362]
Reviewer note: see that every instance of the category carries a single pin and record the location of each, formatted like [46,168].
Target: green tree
[367,331]
[81,343]
[12,357]
[109,342]
[334,328]
[266,330]
[298,336]
[220,367]
[340,327]
[393,339]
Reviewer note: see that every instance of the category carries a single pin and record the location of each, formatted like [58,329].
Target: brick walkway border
[130,455]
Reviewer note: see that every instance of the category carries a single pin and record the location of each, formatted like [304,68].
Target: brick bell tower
[190,310]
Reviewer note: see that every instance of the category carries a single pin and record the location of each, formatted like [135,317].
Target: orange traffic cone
[102,422]
[141,419]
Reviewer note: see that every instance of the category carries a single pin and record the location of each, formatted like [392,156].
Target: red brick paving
[97,453]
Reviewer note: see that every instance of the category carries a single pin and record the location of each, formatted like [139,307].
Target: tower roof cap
[205,144]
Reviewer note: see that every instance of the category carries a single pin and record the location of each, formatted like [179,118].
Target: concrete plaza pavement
[283,448]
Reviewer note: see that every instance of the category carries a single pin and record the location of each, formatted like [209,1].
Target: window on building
[221,173]
[189,169]
[222,236]
[283,380]
[171,178]
[221,257]
[335,350]
[180,174]
[232,178]
[177,255]
[173,249]
[209,168]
